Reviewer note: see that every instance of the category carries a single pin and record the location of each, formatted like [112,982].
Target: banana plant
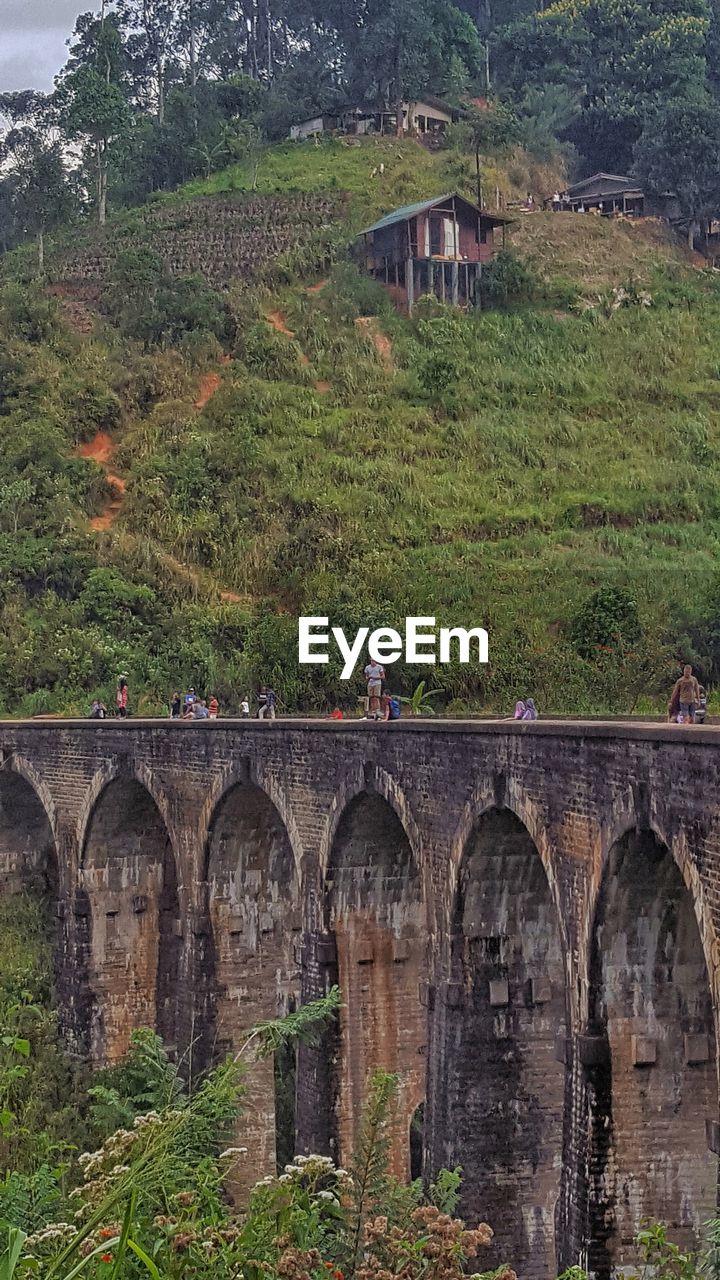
[13,1242]
[419,702]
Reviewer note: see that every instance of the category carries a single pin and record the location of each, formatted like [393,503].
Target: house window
[481,234]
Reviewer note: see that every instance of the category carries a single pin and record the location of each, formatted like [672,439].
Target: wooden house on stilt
[435,247]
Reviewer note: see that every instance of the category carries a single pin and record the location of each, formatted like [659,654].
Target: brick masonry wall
[395,884]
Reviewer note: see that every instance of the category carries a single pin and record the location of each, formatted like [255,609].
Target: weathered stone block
[327,952]
[643,1051]
[562,1049]
[499,992]
[697,1049]
[401,950]
[540,990]
[593,1051]
[454,994]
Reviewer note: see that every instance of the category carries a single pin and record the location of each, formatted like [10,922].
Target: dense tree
[679,151]
[91,100]
[32,155]
[152,41]
[156,90]
[621,60]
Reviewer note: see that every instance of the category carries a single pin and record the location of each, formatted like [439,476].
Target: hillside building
[427,117]
[435,247]
[610,194]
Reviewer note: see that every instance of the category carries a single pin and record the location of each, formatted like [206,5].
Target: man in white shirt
[374,674]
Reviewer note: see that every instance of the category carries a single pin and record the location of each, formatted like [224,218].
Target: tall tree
[152,31]
[679,151]
[402,48]
[31,153]
[632,57]
[41,195]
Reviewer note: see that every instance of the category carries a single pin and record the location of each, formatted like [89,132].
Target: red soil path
[278,320]
[382,344]
[209,384]
[101,450]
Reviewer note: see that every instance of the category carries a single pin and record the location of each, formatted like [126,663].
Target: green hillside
[499,468]
[377,173]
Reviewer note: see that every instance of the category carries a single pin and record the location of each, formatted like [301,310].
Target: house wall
[433,114]
[467,244]
[308,127]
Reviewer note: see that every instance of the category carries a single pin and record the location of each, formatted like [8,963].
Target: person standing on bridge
[266,709]
[687,693]
[374,674]
[121,697]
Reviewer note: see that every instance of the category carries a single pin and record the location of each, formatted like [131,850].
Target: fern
[370,1161]
[305,1026]
[30,1200]
[445,1190]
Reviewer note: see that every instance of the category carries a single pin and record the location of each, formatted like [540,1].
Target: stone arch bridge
[522,918]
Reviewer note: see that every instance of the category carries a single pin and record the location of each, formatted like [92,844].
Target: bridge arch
[247,773]
[370,779]
[128,911]
[251,869]
[376,916]
[29,863]
[28,830]
[499,1108]
[652,1067]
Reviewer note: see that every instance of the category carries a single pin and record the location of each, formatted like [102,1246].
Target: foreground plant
[170,1157]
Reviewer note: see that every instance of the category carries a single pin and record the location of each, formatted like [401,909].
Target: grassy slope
[411,172]
[578,448]
[568,448]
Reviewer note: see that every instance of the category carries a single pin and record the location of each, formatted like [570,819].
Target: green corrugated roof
[406,211]
[410,210]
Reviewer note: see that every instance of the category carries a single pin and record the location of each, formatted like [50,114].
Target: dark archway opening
[505,1010]
[129,883]
[654,1085]
[375,912]
[28,860]
[255,923]
[285,1076]
[417,1142]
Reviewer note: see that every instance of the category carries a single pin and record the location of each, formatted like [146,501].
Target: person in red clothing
[121,698]
[213,708]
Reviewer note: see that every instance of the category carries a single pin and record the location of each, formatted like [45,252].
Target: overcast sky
[32,40]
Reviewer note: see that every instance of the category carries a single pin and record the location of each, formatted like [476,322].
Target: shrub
[506,280]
